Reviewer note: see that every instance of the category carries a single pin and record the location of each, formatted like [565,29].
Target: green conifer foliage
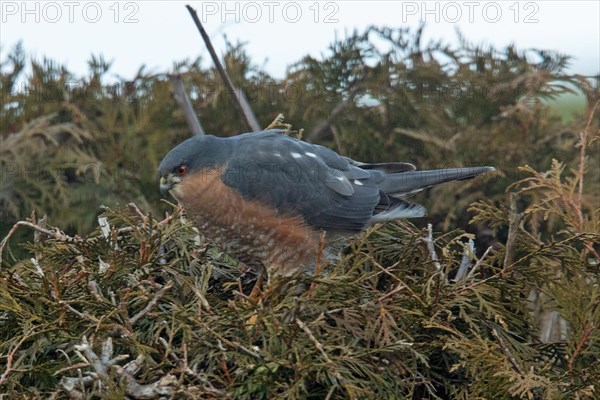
[121,302]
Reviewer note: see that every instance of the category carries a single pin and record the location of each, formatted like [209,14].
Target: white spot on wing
[308,153]
[357,182]
[340,178]
[277,154]
[296,155]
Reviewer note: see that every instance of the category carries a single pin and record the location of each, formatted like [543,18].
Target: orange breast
[250,231]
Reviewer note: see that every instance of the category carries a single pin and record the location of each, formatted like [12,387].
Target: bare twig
[161,292]
[139,213]
[319,347]
[431,248]
[230,343]
[399,287]
[278,123]
[77,312]
[96,291]
[478,263]
[507,354]
[401,284]
[92,358]
[185,104]
[55,234]
[75,387]
[37,235]
[465,263]
[513,227]
[71,367]
[317,344]
[11,355]
[247,108]
[246,119]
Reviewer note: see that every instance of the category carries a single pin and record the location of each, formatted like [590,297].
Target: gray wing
[296,177]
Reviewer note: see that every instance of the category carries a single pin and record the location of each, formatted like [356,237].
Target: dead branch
[77,312]
[161,292]
[465,263]
[319,347]
[101,365]
[185,104]
[247,108]
[246,119]
[139,213]
[235,345]
[431,248]
[313,339]
[478,263]
[513,227]
[55,234]
[11,355]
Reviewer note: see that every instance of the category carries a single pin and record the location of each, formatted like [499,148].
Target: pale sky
[159,33]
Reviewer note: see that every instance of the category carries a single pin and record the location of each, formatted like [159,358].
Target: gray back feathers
[331,192]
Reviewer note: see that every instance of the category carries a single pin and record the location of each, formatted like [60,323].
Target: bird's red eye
[182,170]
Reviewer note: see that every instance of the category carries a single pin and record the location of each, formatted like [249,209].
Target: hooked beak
[169,183]
[166,183]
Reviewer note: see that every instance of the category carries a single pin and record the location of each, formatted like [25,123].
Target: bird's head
[190,156]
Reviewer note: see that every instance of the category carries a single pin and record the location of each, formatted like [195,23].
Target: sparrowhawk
[265,198]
